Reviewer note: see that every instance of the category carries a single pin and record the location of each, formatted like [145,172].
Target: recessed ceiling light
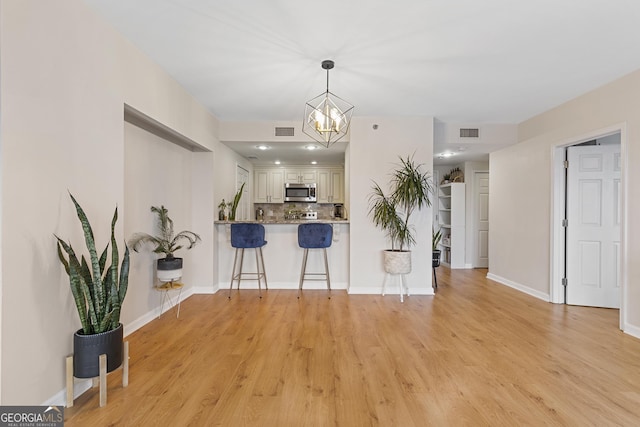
[311,147]
[313,162]
[277,162]
[447,154]
[262,147]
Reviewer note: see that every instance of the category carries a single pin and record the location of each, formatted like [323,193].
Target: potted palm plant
[98,289]
[409,189]
[169,267]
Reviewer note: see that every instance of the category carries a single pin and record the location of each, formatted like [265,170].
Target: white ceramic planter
[397,262]
[169,269]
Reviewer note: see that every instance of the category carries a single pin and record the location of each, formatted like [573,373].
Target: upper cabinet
[301,175]
[330,185]
[268,185]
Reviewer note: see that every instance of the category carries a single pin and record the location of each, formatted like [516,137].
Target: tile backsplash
[276,211]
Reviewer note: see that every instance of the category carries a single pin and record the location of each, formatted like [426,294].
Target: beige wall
[224,173]
[520,196]
[394,137]
[64,78]
[157,173]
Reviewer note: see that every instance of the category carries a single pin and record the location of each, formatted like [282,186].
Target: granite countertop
[289,221]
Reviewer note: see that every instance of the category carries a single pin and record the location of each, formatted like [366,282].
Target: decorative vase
[169,269]
[221,215]
[88,348]
[397,262]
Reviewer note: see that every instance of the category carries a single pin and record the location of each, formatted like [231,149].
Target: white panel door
[481,221]
[593,232]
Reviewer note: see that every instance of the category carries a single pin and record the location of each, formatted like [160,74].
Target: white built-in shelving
[451,206]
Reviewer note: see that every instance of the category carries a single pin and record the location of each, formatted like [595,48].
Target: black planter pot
[435,258]
[88,348]
[169,269]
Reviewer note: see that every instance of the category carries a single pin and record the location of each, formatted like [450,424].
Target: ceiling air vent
[280,131]
[468,133]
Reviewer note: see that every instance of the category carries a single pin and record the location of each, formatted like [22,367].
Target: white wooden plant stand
[102,379]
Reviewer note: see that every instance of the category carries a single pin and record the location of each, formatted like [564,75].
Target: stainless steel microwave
[295,192]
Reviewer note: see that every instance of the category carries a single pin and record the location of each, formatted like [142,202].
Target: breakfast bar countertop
[283,254]
[288,221]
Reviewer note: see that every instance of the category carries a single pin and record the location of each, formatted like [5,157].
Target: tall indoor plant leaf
[97,293]
[409,189]
[236,201]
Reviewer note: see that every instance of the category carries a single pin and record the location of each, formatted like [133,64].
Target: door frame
[558,183]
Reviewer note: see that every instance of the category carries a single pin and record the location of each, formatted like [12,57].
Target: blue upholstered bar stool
[247,236]
[315,236]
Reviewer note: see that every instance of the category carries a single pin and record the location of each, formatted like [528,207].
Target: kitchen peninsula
[283,256]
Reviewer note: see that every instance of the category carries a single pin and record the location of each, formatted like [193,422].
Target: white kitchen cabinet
[330,185]
[301,175]
[268,185]
[451,201]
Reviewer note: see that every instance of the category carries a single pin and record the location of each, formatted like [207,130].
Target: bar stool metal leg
[235,276]
[233,272]
[326,269]
[259,275]
[240,269]
[304,269]
[264,272]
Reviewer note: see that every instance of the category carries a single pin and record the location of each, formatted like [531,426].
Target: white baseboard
[153,314]
[632,330]
[289,285]
[205,290]
[520,287]
[371,290]
[60,398]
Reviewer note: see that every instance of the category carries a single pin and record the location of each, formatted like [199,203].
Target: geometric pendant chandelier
[327,116]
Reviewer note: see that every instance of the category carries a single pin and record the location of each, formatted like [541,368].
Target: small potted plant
[410,188]
[233,206]
[221,210]
[169,267]
[98,289]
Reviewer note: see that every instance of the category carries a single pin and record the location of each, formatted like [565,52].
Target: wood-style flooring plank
[477,353]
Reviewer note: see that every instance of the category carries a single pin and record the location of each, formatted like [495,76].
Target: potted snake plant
[98,289]
[233,206]
[409,190]
[169,267]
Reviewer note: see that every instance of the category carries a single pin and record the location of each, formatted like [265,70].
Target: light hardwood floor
[477,353]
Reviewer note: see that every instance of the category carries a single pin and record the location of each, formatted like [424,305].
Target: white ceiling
[461,61]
